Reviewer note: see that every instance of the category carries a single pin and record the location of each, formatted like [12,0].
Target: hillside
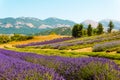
[58,31]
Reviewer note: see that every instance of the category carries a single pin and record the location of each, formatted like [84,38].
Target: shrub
[4,39]
[18,37]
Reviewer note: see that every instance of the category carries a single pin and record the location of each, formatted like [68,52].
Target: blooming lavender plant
[85,41]
[62,42]
[107,45]
[46,42]
[14,68]
[70,68]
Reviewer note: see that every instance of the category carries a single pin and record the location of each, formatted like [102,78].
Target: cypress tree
[111,26]
[99,29]
[89,30]
[80,31]
[75,30]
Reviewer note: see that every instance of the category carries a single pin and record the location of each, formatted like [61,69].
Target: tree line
[79,30]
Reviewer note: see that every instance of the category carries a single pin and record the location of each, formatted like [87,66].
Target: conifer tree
[89,30]
[99,29]
[111,26]
[75,30]
[80,30]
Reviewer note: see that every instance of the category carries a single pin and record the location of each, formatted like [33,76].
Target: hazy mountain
[58,22]
[29,25]
[87,22]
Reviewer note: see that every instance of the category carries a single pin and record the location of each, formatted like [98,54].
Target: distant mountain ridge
[31,25]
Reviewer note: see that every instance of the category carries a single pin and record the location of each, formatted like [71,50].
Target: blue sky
[76,10]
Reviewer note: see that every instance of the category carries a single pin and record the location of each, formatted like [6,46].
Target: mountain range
[30,25]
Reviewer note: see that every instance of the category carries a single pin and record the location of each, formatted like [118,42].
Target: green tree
[94,31]
[89,30]
[99,29]
[84,32]
[4,39]
[75,30]
[111,26]
[80,31]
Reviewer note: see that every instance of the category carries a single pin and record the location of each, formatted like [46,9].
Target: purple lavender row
[86,41]
[106,45]
[46,42]
[17,69]
[72,68]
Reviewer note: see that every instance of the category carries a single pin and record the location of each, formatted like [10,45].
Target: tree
[89,30]
[80,31]
[94,31]
[111,26]
[84,32]
[99,29]
[77,30]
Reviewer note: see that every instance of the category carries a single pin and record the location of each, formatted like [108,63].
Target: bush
[4,39]
[18,37]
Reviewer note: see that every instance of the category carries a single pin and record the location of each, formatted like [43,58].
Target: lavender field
[71,43]
[50,59]
[60,40]
[57,40]
[30,66]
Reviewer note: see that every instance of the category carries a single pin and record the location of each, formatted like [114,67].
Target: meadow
[62,58]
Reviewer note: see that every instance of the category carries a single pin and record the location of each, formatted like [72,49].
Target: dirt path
[88,49]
